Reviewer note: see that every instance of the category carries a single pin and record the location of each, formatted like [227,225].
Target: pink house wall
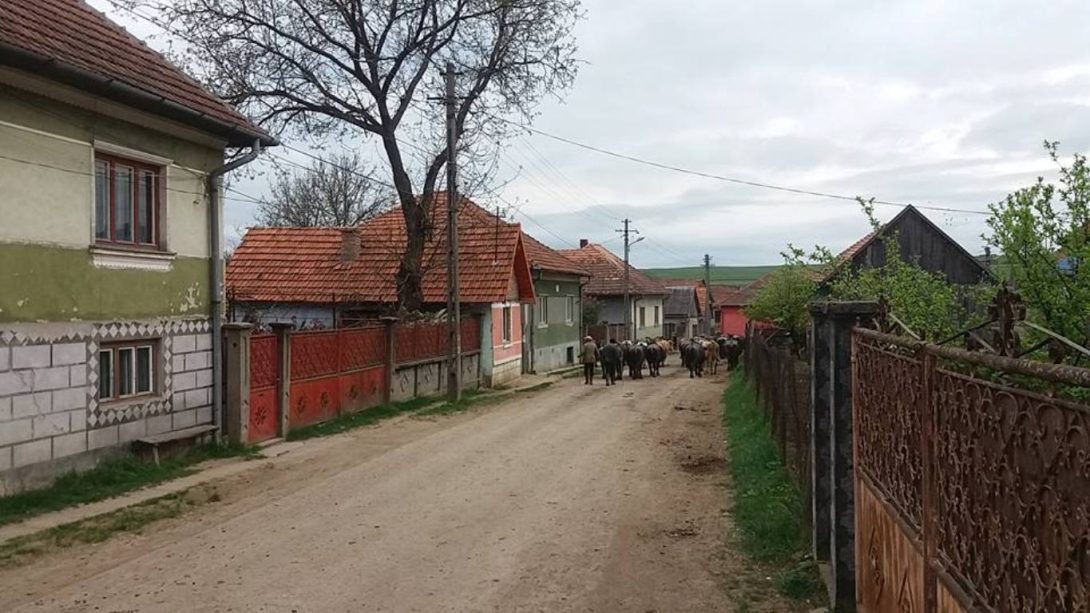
[732,320]
[502,351]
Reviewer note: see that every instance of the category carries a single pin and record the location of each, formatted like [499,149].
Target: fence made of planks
[782,383]
[308,376]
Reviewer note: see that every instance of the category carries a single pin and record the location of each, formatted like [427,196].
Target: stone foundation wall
[51,419]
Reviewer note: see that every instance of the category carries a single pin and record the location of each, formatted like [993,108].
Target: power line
[716,177]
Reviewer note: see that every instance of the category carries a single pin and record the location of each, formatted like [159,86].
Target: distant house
[554,323]
[607,286]
[327,277]
[109,241]
[730,301]
[922,242]
[682,318]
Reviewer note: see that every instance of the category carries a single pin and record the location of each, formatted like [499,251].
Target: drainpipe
[215,244]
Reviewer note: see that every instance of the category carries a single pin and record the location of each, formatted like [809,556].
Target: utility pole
[707,294]
[627,231]
[454,302]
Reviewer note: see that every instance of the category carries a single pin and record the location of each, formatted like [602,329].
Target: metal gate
[969,494]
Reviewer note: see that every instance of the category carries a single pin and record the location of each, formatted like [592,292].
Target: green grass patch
[767,508]
[470,399]
[101,527]
[111,478]
[350,421]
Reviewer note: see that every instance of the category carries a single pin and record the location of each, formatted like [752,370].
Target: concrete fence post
[391,358]
[831,443]
[283,376]
[237,398]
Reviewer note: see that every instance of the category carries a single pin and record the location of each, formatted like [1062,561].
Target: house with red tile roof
[554,323]
[110,162]
[328,277]
[606,287]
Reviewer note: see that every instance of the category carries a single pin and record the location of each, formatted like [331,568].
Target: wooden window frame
[112,162]
[642,318]
[507,326]
[543,311]
[114,349]
[569,309]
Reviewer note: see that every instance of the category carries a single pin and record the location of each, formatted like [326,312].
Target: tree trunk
[410,277]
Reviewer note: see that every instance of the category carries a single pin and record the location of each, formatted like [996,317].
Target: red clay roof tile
[72,33]
[607,272]
[304,265]
[548,258]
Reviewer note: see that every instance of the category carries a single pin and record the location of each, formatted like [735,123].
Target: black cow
[633,358]
[656,356]
[692,356]
[612,358]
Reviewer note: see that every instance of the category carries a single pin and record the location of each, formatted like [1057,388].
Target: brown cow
[711,356]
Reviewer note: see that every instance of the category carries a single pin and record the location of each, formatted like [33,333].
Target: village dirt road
[573,498]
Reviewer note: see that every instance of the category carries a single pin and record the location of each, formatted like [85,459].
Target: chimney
[350,244]
[583,243]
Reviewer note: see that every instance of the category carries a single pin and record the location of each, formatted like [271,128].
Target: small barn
[921,241]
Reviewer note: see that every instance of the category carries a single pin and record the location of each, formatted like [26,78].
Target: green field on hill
[721,275]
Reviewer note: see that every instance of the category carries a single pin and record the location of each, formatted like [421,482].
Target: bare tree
[327,68]
[334,192]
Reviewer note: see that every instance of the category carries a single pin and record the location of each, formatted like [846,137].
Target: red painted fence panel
[264,372]
[334,371]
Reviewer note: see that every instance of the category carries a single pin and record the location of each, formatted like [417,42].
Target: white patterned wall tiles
[44,415]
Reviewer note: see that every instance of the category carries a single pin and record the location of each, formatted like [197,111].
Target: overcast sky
[943,104]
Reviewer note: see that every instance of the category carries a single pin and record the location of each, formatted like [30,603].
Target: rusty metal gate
[969,494]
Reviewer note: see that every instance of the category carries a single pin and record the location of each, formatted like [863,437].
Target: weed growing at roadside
[366,417]
[767,510]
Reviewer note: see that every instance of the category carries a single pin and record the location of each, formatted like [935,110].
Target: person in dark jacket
[589,355]
[612,357]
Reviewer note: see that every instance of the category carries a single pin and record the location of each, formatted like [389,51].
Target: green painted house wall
[47,283]
[549,342]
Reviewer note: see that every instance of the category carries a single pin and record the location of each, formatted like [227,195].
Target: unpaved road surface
[573,498]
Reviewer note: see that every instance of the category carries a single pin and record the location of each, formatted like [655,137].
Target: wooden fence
[305,377]
[782,383]
[972,486]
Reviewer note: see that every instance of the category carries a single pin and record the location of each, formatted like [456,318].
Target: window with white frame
[657,312]
[643,317]
[569,309]
[507,324]
[127,207]
[126,370]
[543,311]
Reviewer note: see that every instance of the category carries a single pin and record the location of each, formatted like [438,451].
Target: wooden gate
[969,495]
[264,378]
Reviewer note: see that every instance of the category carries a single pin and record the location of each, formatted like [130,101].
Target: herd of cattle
[698,355]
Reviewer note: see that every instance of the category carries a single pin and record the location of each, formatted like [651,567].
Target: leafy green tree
[785,297]
[1043,232]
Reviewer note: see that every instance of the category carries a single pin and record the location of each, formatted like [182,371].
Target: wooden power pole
[628,231]
[708,295]
[454,302]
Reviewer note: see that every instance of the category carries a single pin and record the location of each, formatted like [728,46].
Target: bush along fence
[781,381]
[286,378]
[941,479]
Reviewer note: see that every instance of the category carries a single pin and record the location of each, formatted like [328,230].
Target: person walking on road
[589,355]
